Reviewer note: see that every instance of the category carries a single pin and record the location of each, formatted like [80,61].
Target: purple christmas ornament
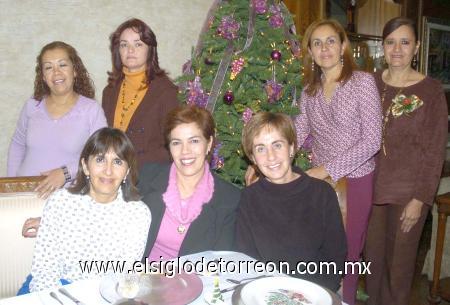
[276,20]
[260,6]
[208,61]
[195,95]
[228,28]
[275,55]
[247,115]
[216,160]
[307,145]
[274,90]
[228,97]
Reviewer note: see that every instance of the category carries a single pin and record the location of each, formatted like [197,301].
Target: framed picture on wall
[436,49]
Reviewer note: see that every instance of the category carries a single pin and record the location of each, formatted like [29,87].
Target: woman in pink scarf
[192,209]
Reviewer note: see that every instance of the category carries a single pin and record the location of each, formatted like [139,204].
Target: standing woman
[139,94]
[54,125]
[408,166]
[340,108]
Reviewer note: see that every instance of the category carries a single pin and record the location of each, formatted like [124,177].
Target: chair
[17,203]
[443,205]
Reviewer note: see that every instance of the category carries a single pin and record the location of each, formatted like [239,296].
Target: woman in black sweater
[287,215]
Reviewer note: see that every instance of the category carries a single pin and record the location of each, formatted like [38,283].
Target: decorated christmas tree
[247,60]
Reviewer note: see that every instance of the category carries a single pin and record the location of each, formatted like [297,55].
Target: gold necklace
[386,115]
[125,108]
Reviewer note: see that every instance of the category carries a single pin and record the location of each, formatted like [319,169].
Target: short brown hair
[82,83]
[312,78]
[100,142]
[148,37]
[279,121]
[397,22]
[186,114]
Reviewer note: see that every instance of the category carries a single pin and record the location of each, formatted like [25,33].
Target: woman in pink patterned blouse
[340,109]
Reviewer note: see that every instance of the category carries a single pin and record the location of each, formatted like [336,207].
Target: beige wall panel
[374,14]
[26,25]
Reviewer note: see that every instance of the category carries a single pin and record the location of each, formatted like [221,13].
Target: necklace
[182,220]
[181,228]
[386,115]
[126,107]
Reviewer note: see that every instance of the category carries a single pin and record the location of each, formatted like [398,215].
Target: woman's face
[58,72]
[326,47]
[133,51]
[400,47]
[189,149]
[106,173]
[271,153]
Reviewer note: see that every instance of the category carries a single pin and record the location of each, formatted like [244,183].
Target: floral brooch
[403,104]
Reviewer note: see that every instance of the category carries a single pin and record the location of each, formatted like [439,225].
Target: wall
[305,12]
[372,16]
[27,25]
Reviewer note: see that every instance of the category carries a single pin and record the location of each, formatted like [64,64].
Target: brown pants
[392,254]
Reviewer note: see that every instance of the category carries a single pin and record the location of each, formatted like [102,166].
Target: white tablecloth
[87,291]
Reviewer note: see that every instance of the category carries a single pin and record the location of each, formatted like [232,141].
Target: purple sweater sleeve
[17,147]
[97,120]
[367,101]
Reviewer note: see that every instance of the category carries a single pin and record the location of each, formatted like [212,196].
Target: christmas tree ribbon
[220,76]
[226,60]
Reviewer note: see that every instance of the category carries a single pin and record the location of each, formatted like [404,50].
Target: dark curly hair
[148,37]
[82,84]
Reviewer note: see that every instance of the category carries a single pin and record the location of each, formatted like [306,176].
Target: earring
[88,177]
[124,180]
[312,66]
[342,60]
[414,61]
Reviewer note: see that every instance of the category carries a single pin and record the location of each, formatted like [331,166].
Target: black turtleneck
[293,222]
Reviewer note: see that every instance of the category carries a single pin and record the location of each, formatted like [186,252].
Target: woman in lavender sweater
[56,122]
[340,109]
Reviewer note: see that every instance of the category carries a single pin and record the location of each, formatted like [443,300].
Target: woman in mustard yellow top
[139,94]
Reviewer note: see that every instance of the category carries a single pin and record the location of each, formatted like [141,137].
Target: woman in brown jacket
[139,94]
[408,166]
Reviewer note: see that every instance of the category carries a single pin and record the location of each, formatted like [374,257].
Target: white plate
[287,290]
[157,289]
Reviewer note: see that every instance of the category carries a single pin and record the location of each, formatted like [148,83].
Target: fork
[237,282]
[55,296]
[67,294]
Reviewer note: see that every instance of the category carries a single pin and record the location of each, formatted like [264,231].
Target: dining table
[88,291]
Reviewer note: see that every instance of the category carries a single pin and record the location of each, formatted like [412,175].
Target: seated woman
[287,215]
[193,210]
[54,125]
[99,218]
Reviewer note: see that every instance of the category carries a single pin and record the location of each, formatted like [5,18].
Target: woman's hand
[31,226]
[411,215]
[250,175]
[54,180]
[318,172]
